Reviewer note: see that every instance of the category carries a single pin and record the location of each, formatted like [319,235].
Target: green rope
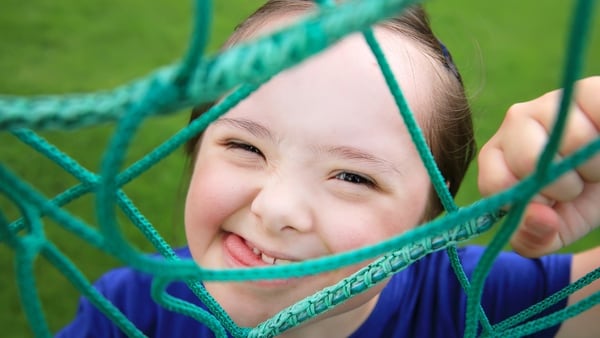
[418,139]
[575,52]
[546,303]
[554,318]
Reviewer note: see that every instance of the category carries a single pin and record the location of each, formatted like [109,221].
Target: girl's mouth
[246,254]
[240,253]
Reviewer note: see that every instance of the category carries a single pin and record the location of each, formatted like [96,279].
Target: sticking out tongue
[235,246]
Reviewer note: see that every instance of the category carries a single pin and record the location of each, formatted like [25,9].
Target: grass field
[508,51]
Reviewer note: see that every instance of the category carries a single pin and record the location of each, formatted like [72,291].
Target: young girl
[318,161]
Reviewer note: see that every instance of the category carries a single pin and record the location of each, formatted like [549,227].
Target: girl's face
[316,162]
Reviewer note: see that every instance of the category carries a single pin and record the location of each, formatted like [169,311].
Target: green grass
[507,51]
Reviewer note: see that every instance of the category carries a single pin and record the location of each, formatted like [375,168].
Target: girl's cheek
[349,230]
[370,226]
[216,191]
[206,201]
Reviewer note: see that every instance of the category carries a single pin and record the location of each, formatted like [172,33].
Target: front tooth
[267,259]
[256,251]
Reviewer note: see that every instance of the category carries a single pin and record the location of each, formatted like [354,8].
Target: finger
[581,126]
[580,132]
[522,143]
[495,177]
[588,98]
[494,174]
[590,116]
[580,216]
[545,229]
[539,232]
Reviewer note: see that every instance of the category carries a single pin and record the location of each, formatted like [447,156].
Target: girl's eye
[355,179]
[245,147]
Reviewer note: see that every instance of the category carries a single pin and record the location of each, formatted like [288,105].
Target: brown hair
[449,132]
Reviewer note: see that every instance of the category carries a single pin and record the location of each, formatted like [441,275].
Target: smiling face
[316,162]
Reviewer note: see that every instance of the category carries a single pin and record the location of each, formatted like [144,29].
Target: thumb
[539,231]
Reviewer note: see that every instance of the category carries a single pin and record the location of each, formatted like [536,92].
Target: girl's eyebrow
[351,153]
[252,127]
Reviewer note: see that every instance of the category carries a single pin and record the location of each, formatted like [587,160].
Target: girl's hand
[569,208]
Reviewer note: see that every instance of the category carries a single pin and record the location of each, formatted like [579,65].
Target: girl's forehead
[345,78]
[340,92]
[412,68]
[348,71]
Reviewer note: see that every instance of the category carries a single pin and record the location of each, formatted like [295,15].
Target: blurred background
[507,51]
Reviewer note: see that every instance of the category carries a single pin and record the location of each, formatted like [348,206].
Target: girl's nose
[283,203]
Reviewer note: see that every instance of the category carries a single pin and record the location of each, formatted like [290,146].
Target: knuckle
[516,111]
[493,182]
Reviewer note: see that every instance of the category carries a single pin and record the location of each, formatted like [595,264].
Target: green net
[201,78]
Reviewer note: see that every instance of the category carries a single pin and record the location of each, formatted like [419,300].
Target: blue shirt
[424,300]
